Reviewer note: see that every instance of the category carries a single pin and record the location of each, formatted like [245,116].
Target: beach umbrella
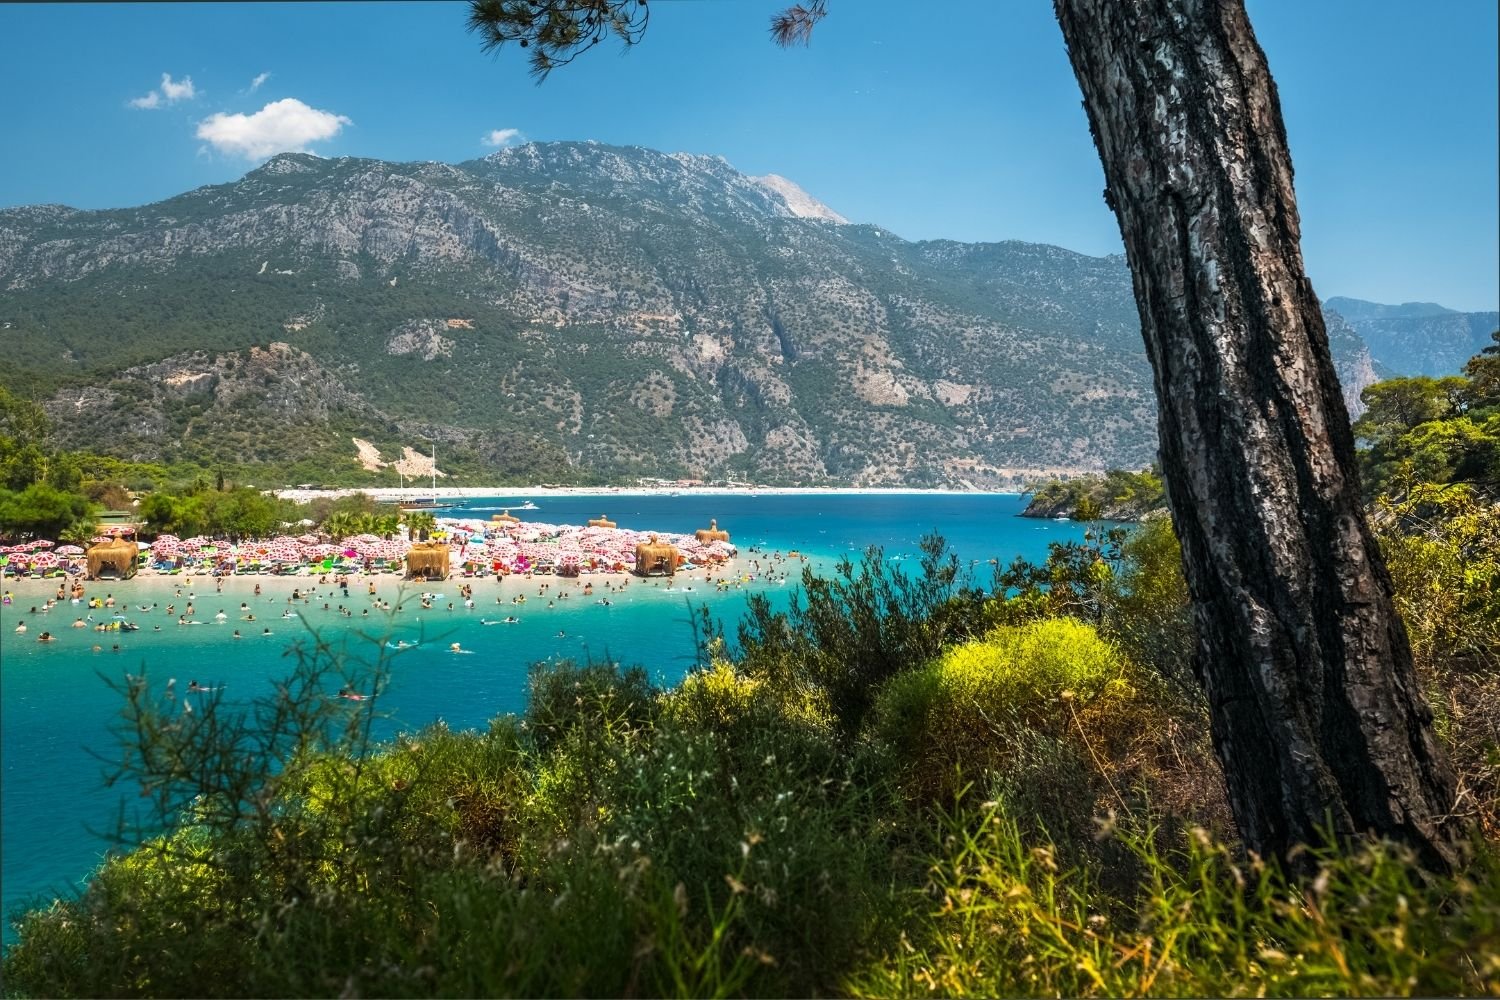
[43,560]
[39,544]
[70,550]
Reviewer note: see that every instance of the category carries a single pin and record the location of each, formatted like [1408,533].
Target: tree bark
[1317,715]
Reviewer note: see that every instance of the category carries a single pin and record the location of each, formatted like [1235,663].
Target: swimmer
[21,627]
[221,618]
[45,637]
[79,624]
[237,634]
[351,695]
[265,632]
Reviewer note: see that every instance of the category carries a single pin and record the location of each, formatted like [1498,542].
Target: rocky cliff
[563,310]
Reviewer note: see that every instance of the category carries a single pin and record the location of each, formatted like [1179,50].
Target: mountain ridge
[576,310]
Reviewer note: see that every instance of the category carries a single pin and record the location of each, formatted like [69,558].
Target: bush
[846,634]
[966,709]
[1002,917]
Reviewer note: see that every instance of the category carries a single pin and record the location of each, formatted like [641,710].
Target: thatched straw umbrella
[655,558]
[506,517]
[116,556]
[428,560]
[602,522]
[712,533]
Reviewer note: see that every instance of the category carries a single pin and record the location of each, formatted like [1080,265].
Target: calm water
[55,706]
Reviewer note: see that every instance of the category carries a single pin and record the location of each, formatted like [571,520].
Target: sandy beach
[145,597]
[157,602]
[392,493]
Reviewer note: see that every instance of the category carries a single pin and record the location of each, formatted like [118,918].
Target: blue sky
[974,134]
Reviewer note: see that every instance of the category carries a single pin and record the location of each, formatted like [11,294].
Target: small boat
[528,505]
[431,503]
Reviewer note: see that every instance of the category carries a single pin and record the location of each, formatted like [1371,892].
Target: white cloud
[259,79]
[503,137]
[170,92]
[174,91]
[284,126]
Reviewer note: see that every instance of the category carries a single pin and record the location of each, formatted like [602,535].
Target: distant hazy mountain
[1417,338]
[564,310]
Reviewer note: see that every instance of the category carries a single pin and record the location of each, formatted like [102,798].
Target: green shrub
[845,634]
[960,714]
[1002,917]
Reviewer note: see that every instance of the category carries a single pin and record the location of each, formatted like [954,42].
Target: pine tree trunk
[1317,716]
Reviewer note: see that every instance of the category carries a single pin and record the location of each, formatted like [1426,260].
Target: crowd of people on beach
[330,593]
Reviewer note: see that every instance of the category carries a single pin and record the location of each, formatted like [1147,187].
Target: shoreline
[467,492]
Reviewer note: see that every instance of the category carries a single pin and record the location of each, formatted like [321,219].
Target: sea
[59,703]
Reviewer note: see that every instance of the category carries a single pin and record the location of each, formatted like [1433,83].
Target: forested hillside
[569,312]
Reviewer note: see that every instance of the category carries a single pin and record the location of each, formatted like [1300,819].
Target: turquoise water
[56,709]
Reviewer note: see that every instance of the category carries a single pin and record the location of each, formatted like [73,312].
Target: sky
[968,129]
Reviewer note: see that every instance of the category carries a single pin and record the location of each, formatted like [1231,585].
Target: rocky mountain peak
[798,202]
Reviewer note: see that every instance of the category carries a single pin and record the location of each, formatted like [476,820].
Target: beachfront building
[115,557]
[656,558]
[712,533]
[428,561]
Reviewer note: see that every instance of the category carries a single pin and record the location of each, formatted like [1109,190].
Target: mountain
[1418,338]
[798,201]
[1352,359]
[570,312]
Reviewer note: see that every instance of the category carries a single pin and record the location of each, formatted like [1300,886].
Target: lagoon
[57,709]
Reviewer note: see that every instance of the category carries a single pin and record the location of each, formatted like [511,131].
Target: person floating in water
[350,694]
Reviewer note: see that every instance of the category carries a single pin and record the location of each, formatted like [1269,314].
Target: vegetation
[1024,808]
[1116,495]
[899,786]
